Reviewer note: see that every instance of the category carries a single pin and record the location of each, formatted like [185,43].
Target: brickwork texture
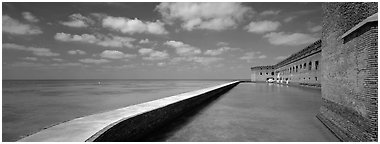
[349,71]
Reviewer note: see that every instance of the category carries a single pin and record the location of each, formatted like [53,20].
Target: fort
[344,64]
[300,68]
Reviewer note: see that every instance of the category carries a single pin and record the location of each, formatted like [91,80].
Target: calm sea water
[28,106]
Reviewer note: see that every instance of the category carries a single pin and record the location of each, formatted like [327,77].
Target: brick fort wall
[349,70]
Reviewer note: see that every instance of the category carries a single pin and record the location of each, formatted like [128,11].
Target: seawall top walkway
[253,112]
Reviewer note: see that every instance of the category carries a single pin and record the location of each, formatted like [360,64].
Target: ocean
[31,105]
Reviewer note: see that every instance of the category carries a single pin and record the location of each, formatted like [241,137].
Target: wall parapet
[129,123]
[313,48]
[309,50]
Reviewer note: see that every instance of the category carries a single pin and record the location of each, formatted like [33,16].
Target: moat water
[28,106]
[252,112]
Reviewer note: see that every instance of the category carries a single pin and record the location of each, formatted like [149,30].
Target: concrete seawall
[129,123]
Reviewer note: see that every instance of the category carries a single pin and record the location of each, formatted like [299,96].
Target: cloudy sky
[152,40]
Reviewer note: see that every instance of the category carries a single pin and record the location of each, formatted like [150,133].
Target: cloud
[94,61]
[249,56]
[132,26]
[29,17]
[222,44]
[315,28]
[262,57]
[153,54]
[27,64]
[118,67]
[183,49]
[288,19]
[67,64]
[206,60]
[36,51]
[78,21]
[102,40]
[211,16]
[144,41]
[76,52]
[280,38]
[269,12]
[201,60]
[31,58]
[113,54]
[280,57]
[13,26]
[262,26]
[219,51]
[116,41]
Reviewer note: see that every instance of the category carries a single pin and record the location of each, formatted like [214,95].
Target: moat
[253,112]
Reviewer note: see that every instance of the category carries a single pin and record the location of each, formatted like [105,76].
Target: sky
[152,40]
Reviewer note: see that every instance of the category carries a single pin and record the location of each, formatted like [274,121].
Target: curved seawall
[129,123]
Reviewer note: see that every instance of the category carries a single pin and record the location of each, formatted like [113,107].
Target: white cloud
[262,26]
[280,57]
[31,58]
[206,60]
[219,51]
[212,16]
[67,64]
[27,64]
[153,54]
[13,26]
[118,67]
[262,57]
[288,19]
[116,41]
[315,28]
[29,17]
[222,44]
[280,38]
[144,41]
[131,26]
[161,64]
[36,51]
[94,61]
[201,60]
[249,56]
[270,12]
[113,54]
[102,40]
[87,38]
[183,49]
[76,52]
[78,21]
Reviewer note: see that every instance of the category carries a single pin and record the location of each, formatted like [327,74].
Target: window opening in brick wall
[316,78]
[261,73]
[309,65]
[316,65]
[272,73]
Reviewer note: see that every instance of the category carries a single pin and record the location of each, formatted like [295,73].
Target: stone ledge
[127,124]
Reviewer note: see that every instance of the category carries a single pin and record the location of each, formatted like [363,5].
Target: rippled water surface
[29,106]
